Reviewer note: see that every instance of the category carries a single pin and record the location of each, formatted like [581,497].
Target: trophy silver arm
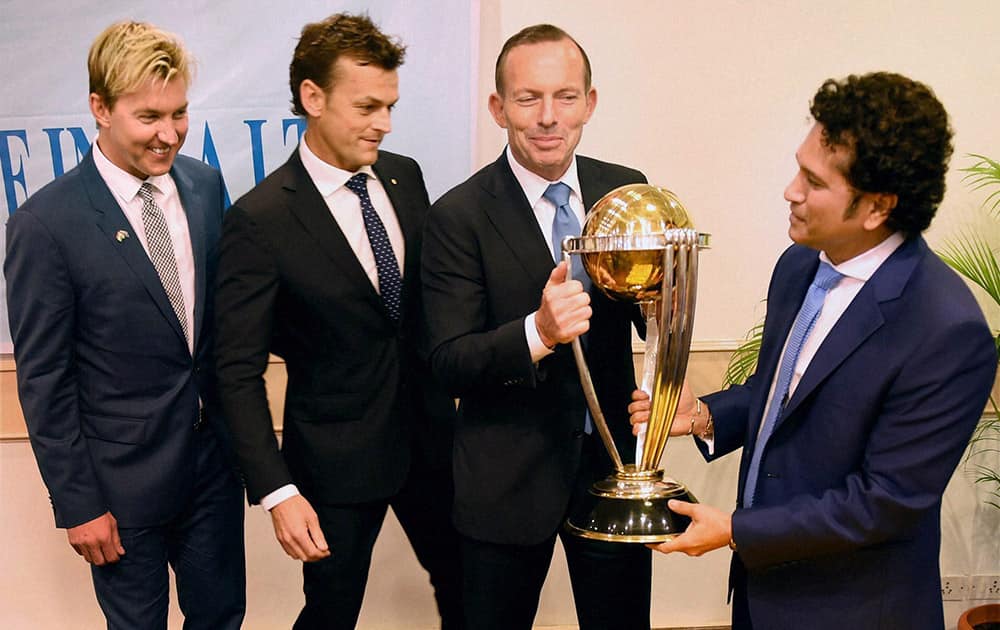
[588,383]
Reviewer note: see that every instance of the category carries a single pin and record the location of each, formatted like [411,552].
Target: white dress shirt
[125,188]
[856,272]
[534,187]
[345,206]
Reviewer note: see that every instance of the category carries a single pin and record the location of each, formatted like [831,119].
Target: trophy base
[631,507]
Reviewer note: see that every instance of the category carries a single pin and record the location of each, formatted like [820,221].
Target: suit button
[772,475]
[579,433]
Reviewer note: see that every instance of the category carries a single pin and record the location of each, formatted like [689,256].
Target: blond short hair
[127,54]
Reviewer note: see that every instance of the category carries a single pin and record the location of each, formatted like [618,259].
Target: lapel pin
[393,180]
[121,235]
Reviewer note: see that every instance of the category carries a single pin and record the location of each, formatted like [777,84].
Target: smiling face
[143,131]
[347,123]
[827,213]
[544,105]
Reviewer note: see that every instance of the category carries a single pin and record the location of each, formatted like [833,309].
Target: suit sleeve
[41,305]
[925,419]
[730,409]
[465,351]
[244,310]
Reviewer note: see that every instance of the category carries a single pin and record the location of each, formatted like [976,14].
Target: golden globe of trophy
[638,245]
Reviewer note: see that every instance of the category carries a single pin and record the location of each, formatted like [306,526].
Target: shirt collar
[534,185]
[125,185]
[864,265]
[326,177]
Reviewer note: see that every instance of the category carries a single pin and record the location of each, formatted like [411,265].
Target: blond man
[109,283]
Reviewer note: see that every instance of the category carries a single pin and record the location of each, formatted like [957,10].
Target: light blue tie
[565,224]
[826,278]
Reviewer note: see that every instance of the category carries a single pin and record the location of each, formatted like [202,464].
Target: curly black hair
[341,34]
[899,136]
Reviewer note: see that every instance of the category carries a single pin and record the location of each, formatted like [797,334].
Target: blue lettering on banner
[211,157]
[80,143]
[15,155]
[298,123]
[7,167]
[256,149]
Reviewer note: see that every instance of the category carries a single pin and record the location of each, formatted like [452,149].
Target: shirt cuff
[708,442]
[272,499]
[537,349]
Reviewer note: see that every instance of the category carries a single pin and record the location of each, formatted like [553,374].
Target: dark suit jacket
[108,386]
[289,284]
[845,527]
[519,435]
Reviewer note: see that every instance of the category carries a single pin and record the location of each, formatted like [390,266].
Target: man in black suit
[319,264]
[110,271]
[500,314]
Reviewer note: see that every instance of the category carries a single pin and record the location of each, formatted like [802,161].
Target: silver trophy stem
[588,386]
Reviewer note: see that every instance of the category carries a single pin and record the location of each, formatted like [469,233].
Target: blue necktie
[390,283]
[826,278]
[565,224]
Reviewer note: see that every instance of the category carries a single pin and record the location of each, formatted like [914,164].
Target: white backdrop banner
[240,117]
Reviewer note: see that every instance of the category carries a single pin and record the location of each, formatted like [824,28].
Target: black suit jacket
[289,284]
[108,386]
[519,435]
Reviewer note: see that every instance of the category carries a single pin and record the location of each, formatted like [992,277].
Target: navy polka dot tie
[390,283]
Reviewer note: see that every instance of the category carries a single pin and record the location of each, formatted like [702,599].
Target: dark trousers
[203,545]
[335,586]
[611,581]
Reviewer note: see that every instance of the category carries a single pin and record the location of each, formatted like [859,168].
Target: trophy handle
[588,387]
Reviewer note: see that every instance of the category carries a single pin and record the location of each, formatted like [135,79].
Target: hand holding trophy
[638,245]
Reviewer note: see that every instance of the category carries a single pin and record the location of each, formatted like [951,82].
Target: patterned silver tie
[161,253]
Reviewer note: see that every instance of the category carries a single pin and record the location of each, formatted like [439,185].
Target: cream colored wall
[710,100]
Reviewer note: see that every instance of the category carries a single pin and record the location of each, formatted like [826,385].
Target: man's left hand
[710,529]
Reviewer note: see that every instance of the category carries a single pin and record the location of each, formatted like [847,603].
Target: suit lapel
[311,210]
[862,318]
[591,184]
[784,313]
[112,221]
[515,222]
[192,202]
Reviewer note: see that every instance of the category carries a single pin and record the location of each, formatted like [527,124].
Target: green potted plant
[973,256]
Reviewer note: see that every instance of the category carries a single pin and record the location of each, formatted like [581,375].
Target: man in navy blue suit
[109,273]
[858,415]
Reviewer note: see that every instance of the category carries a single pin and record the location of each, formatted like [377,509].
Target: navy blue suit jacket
[109,389]
[845,527]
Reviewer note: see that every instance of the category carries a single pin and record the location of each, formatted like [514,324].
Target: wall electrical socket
[954,587]
[983,587]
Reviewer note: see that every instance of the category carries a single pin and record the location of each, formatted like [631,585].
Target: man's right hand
[97,540]
[564,313]
[296,527]
[686,411]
